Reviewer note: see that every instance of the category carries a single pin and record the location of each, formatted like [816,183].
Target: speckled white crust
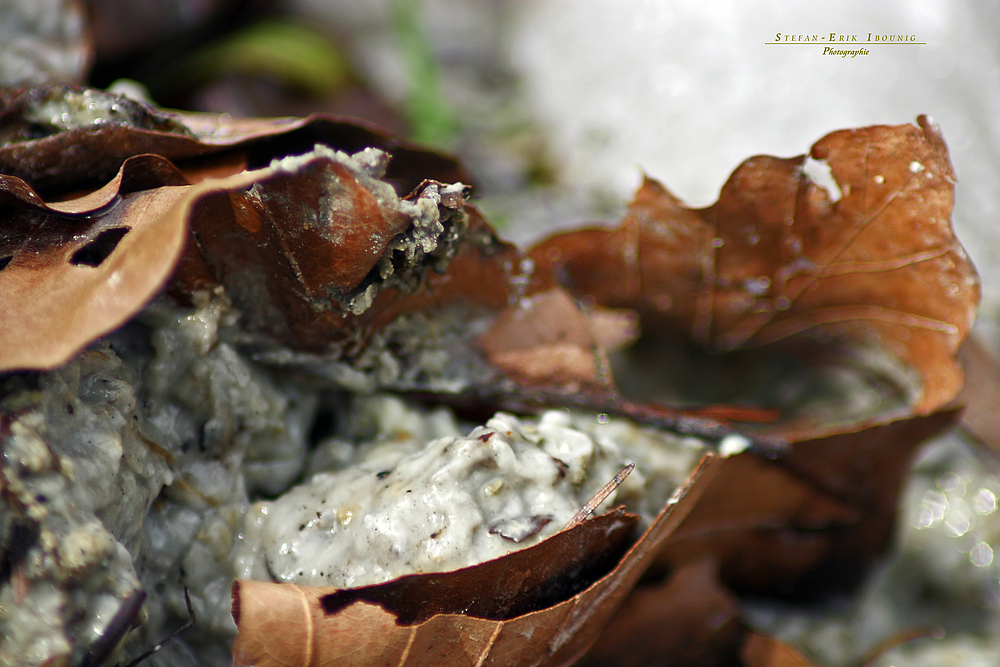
[401,507]
[237,430]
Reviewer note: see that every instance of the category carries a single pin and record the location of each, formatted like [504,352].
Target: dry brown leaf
[299,251]
[809,522]
[803,525]
[55,156]
[780,258]
[420,625]
[69,278]
[77,269]
[688,619]
[68,281]
[546,340]
[142,172]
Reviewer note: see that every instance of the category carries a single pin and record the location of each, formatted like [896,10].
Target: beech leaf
[77,269]
[68,281]
[803,525]
[546,340]
[852,243]
[688,618]
[809,521]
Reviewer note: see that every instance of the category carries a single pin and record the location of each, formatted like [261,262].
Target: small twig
[696,423]
[115,631]
[173,635]
[601,496]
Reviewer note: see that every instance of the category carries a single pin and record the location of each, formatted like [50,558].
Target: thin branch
[173,635]
[601,496]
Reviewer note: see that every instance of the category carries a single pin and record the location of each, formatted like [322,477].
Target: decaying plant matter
[355,262]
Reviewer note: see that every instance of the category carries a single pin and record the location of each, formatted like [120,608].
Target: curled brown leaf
[545,339]
[49,138]
[808,522]
[687,619]
[850,244]
[77,269]
[68,280]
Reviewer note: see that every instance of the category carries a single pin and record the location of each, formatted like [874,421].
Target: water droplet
[958,523]
[602,418]
[984,502]
[916,167]
[950,482]
[717,243]
[880,179]
[932,510]
[757,286]
[782,303]
[981,555]
[924,518]
[733,444]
